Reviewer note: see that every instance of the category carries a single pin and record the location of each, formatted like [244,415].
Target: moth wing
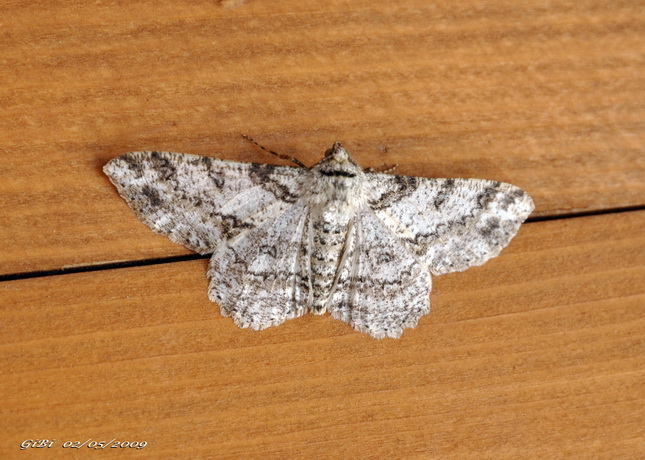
[382,287]
[263,276]
[199,201]
[450,224]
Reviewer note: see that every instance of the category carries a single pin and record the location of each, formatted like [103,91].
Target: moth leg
[383,169]
[347,250]
[279,155]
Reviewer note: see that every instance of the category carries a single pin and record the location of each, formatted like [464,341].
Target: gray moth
[290,240]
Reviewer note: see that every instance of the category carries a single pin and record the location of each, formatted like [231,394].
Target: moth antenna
[279,155]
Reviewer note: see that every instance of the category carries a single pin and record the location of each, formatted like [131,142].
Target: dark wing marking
[200,201]
[382,286]
[450,224]
[263,276]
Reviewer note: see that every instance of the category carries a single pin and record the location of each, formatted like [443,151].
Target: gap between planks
[190,257]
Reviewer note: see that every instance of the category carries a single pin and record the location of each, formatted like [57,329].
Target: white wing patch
[286,241]
[382,286]
[451,224]
[261,278]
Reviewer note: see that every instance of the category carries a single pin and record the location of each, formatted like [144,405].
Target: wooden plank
[546,96]
[538,354]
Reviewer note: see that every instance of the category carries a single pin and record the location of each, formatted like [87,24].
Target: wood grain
[548,96]
[538,354]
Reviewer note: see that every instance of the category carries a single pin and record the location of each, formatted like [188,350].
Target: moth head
[337,150]
[338,162]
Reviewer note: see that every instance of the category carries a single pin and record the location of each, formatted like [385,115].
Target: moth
[334,238]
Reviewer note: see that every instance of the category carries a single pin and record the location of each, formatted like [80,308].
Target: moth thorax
[338,191]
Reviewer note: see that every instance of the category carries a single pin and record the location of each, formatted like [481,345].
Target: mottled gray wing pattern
[200,201]
[450,224]
[381,287]
[262,277]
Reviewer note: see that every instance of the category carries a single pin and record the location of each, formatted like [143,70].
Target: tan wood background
[539,353]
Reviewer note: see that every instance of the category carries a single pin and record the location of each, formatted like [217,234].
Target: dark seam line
[189,257]
[100,267]
[573,215]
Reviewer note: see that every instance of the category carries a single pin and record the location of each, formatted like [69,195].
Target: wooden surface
[539,353]
[548,98]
